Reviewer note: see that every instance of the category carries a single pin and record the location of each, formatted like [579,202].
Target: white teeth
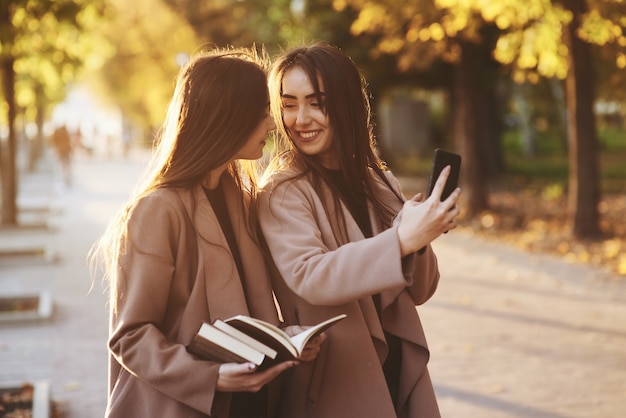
[308,135]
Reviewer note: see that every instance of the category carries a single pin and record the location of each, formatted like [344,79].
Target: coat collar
[224,287]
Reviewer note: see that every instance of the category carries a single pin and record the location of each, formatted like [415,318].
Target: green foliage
[613,139]
[52,42]
[549,167]
[547,172]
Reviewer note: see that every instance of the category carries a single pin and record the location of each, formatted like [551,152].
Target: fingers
[453,212]
[312,348]
[293,330]
[451,225]
[440,183]
[277,369]
[453,198]
[238,368]
[245,377]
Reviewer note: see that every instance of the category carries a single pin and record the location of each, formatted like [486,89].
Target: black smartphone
[442,159]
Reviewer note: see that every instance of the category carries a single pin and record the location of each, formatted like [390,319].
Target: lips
[308,135]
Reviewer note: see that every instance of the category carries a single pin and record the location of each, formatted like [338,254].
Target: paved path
[511,334]
[69,350]
[514,335]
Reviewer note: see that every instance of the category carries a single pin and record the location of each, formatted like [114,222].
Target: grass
[549,165]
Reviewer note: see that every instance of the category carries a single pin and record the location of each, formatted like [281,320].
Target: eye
[319,104]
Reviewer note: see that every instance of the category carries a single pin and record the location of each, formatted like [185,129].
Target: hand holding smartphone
[442,159]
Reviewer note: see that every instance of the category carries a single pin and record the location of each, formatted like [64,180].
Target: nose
[271,125]
[303,117]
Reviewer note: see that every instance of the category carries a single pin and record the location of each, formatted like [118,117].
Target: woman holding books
[181,252]
[345,241]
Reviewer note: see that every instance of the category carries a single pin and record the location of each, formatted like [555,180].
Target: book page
[300,340]
[242,336]
[213,343]
[271,335]
[266,333]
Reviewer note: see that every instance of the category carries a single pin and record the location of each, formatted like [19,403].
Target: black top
[218,202]
[355,201]
[243,404]
[357,206]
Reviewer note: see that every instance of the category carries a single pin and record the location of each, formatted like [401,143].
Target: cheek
[322,117]
[288,118]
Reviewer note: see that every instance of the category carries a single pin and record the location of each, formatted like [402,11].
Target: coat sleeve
[297,232]
[137,340]
[420,270]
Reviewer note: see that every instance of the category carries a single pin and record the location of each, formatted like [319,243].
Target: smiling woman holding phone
[345,240]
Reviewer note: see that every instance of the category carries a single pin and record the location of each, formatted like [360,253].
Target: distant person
[62,144]
[77,139]
[181,252]
[344,239]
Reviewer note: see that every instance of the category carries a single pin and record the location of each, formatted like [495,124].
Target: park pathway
[526,336]
[511,334]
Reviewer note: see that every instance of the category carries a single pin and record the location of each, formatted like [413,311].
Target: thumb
[239,368]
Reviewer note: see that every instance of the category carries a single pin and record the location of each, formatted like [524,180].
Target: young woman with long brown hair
[182,251]
[345,240]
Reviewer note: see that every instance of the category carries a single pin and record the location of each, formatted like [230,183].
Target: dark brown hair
[220,98]
[347,106]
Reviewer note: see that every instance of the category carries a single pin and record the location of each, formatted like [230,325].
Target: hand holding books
[312,347]
[244,339]
[233,376]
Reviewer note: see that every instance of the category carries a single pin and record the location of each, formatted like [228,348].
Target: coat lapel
[394,305]
[257,281]
[223,287]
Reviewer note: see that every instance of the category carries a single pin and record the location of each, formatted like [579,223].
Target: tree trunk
[35,149]
[8,210]
[9,172]
[467,130]
[584,176]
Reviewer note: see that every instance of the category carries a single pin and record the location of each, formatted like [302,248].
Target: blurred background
[530,92]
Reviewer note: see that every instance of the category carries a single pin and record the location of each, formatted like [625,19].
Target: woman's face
[253,149]
[306,122]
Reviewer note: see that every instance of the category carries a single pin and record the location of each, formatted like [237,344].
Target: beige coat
[323,277]
[178,271]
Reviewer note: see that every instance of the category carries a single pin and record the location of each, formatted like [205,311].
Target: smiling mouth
[308,134]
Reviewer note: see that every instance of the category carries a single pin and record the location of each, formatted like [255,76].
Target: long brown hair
[219,99]
[347,106]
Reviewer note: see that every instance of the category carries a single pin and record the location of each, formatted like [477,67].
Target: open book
[244,339]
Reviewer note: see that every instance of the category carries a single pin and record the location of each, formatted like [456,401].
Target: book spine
[211,351]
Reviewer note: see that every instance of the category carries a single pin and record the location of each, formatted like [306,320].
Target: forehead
[296,80]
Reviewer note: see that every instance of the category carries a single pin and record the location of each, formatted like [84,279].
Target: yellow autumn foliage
[531,38]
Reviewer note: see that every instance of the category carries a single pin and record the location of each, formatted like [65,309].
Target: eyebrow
[309,96]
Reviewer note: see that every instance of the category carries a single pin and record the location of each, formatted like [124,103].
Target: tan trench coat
[178,271]
[323,277]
